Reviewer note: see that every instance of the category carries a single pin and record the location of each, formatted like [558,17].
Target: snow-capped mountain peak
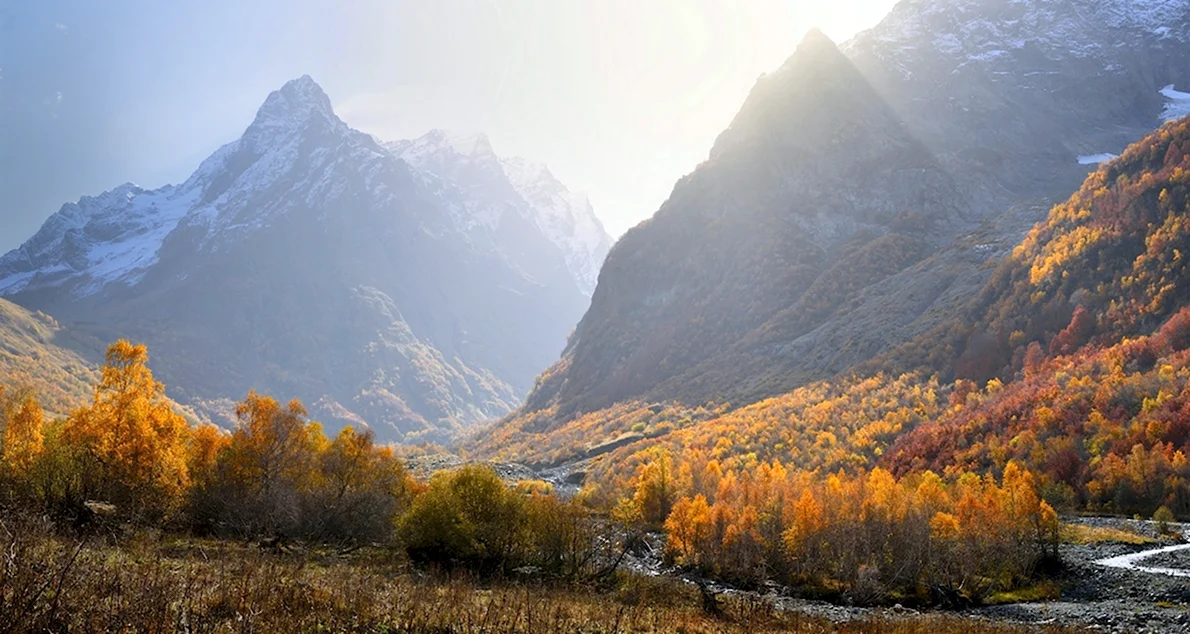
[294,144]
[116,236]
[496,186]
[294,103]
[565,217]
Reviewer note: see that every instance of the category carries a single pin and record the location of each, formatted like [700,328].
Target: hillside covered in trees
[1106,264]
[37,353]
[1072,360]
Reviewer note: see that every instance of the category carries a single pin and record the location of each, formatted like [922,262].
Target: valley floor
[149,582]
[153,582]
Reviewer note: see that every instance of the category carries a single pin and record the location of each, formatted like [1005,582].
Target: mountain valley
[909,351]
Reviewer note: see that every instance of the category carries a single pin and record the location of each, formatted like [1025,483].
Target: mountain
[493,186]
[758,240]
[37,352]
[1019,93]
[1079,344]
[306,260]
[861,197]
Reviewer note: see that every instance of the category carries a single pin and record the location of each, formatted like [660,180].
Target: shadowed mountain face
[307,260]
[783,200]
[862,192]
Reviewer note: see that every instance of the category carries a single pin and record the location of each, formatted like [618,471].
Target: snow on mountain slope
[565,217]
[464,171]
[1177,103]
[1095,159]
[490,186]
[112,237]
[983,31]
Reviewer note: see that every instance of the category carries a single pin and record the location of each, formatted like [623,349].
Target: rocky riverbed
[1095,597]
[1113,599]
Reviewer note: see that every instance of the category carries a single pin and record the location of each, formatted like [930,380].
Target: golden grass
[1082,534]
[1044,591]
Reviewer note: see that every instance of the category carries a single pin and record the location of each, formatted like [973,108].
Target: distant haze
[619,97]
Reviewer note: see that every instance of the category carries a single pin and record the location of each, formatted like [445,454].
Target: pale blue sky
[619,97]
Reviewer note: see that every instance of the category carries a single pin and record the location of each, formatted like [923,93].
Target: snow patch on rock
[112,237]
[1177,104]
[1095,159]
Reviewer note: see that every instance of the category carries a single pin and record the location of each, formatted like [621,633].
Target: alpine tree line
[277,476]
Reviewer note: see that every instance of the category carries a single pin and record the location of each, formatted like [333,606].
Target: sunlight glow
[620,97]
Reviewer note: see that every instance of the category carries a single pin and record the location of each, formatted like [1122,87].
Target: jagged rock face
[306,260]
[861,191]
[1011,93]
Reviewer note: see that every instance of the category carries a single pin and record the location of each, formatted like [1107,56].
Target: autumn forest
[1065,390]
[907,350]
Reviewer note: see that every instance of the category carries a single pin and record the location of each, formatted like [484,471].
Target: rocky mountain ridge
[494,186]
[307,260]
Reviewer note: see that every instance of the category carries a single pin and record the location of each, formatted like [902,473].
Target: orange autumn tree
[131,442]
[274,444]
[362,486]
[655,491]
[267,469]
[689,527]
[207,444]
[23,437]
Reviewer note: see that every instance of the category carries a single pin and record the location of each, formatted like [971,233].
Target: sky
[620,98]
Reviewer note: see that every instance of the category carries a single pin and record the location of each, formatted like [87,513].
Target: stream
[1133,561]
